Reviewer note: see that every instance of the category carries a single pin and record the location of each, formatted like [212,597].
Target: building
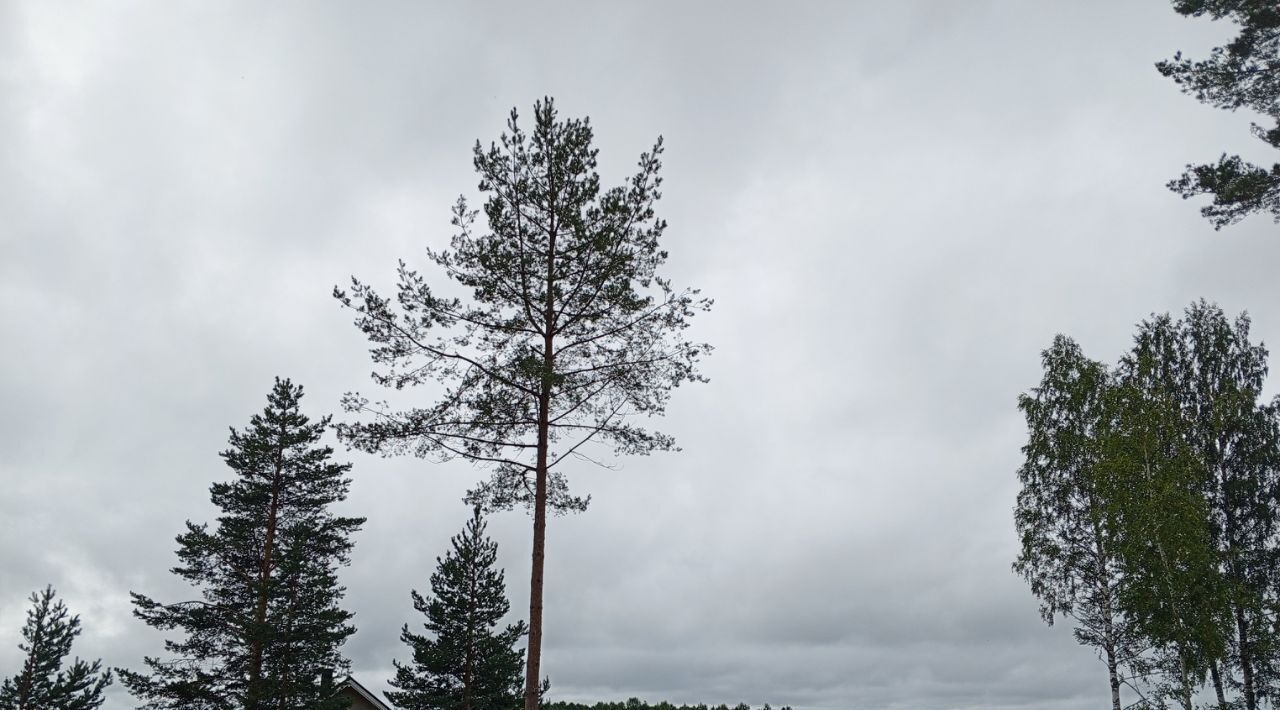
[361,697]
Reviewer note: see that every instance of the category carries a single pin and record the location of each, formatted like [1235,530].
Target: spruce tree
[43,683]
[269,619]
[466,663]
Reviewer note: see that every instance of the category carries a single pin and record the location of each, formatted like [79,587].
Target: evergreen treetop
[268,621]
[465,661]
[43,683]
[1244,73]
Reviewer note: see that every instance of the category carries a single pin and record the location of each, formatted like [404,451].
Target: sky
[895,206]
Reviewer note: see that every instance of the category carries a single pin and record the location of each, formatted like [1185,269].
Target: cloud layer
[895,206]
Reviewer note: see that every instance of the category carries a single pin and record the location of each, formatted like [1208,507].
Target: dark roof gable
[363,692]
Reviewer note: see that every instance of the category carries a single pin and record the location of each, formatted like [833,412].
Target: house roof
[364,692]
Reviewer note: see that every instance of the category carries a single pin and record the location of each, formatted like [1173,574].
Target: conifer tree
[43,683]
[569,336]
[1244,73]
[268,621]
[466,663]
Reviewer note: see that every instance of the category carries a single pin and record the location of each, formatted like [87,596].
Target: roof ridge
[365,692]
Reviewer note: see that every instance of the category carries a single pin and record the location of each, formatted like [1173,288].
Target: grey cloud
[896,207]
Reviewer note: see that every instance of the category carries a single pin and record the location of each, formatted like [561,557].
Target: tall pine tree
[466,663]
[269,619]
[569,338]
[43,683]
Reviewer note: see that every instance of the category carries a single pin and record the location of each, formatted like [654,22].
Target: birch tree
[1157,516]
[1206,365]
[1067,553]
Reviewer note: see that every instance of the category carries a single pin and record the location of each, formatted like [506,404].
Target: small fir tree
[466,663]
[43,683]
[269,621]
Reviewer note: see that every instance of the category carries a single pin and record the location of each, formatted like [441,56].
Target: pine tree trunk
[29,666]
[287,675]
[28,675]
[534,661]
[469,662]
[532,665]
[253,692]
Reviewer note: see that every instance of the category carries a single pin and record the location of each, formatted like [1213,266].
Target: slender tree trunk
[1186,680]
[1108,623]
[1234,574]
[26,684]
[1112,675]
[468,663]
[1217,684]
[1184,667]
[1246,660]
[29,669]
[533,662]
[287,675]
[253,691]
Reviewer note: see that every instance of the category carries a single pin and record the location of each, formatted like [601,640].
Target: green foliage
[1067,551]
[1148,507]
[44,683]
[1207,366]
[1057,514]
[268,621]
[466,663]
[1158,518]
[1243,74]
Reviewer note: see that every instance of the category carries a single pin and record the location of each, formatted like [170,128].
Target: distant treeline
[637,704]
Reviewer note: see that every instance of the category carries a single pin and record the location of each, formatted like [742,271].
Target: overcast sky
[896,205]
